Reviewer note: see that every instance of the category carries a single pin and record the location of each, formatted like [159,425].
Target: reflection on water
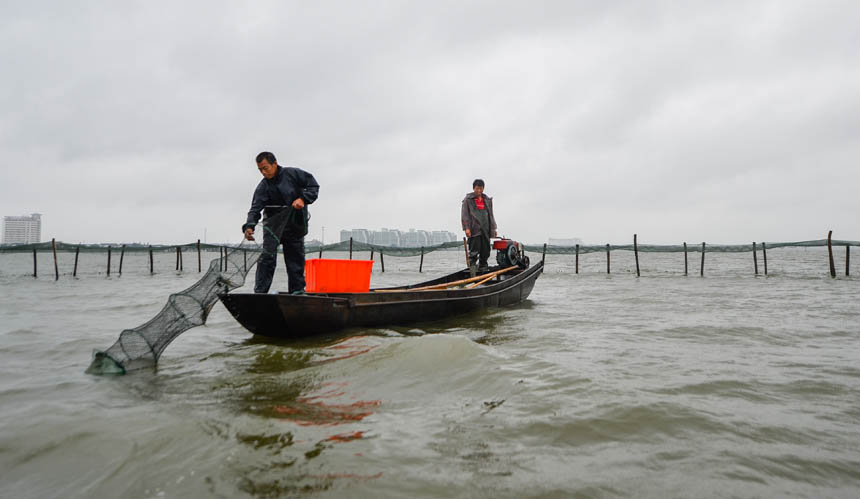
[287,386]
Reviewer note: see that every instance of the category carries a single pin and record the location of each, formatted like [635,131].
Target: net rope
[142,346]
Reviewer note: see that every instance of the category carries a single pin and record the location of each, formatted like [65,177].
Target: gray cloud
[726,122]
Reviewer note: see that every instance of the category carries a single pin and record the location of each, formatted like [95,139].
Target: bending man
[282,188]
[479,223]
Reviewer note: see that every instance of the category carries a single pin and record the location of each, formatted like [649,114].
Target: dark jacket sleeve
[465,216]
[257,204]
[307,185]
[493,227]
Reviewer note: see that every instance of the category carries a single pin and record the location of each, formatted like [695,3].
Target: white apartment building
[25,229]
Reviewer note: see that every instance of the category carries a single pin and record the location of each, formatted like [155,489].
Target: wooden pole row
[223,256]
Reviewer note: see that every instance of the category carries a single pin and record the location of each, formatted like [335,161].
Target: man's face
[479,189]
[267,169]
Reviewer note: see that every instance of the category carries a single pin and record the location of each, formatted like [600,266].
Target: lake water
[727,385]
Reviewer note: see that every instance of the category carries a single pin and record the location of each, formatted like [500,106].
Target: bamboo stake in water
[34,262]
[199,262]
[764,256]
[702,268]
[847,258]
[685,258]
[636,253]
[607,258]
[350,248]
[108,266]
[121,257]
[830,254]
[755,259]
[77,252]
[56,267]
[151,266]
[382,260]
[421,264]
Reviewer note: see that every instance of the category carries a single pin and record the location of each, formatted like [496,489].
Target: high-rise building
[387,237]
[397,239]
[24,229]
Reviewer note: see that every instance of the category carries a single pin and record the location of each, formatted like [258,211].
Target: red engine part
[502,244]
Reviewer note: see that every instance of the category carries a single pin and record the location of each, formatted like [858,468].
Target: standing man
[282,188]
[479,223]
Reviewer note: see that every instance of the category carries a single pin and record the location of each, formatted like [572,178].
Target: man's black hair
[267,156]
[477,183]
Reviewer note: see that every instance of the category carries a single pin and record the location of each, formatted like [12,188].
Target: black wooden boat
[291,316]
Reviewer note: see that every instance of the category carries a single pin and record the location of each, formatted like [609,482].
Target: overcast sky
[726,122]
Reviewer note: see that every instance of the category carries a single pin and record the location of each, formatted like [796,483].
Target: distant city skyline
[411,238]
[24,229]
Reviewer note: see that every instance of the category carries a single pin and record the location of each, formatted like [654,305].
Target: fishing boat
[288,316]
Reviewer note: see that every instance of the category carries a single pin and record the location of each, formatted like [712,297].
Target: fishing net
[142,346]
[678,248]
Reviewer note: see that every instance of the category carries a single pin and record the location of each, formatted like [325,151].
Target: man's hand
[299,203]
[249,234]
[468,233]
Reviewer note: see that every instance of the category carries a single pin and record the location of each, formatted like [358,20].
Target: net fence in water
[679,248]
[417,250]
[141,347]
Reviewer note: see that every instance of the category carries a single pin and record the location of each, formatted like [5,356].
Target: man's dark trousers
[294,259]
[479,250]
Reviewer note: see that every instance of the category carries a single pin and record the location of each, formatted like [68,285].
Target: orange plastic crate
[323,275]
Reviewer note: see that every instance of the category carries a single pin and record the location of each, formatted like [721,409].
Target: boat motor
[509,253]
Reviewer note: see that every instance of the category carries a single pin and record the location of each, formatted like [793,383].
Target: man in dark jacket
[282,189]
[479,223]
